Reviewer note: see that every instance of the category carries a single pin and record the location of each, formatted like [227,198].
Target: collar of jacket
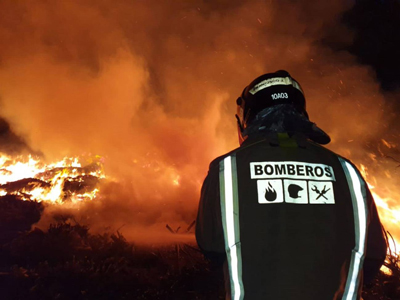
[284,118]
[275,139]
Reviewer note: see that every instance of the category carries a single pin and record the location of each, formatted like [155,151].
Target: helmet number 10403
[279,96]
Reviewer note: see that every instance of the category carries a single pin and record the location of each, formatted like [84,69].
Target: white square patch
[270,191]
[295,191]
[321,192]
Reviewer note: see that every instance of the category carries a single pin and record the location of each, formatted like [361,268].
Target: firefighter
[287,218]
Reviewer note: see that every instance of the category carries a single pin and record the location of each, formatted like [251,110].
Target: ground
[67,262]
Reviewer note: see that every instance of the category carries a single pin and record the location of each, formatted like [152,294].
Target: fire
[389,215]
[386,203]
[66,180]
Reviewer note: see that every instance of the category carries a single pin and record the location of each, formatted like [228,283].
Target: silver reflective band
[359,201]
[275,81]
[230,221]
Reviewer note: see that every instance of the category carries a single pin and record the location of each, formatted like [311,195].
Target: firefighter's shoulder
[216,161]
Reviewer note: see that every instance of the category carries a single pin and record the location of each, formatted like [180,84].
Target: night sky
[376,41]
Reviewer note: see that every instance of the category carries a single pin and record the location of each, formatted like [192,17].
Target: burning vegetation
[150,86]
[103,265]
[30,179]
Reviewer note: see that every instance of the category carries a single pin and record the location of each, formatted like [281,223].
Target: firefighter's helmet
[265,91]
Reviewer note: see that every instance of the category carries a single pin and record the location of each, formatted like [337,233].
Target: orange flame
[30,179]
[389,215]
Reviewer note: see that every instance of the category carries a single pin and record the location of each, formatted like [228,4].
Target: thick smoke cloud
[151,86]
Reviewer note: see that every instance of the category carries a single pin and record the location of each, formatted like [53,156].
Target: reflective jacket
[291,219]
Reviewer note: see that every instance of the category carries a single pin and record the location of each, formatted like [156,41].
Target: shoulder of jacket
[339,157]
[316,145]
[216,161]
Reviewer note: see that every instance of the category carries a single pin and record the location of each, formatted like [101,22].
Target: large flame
[385,201]
[151,85]
[66,180]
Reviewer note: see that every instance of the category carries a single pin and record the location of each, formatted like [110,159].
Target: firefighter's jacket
[291,219]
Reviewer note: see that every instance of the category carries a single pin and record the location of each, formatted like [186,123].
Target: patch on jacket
[293,182]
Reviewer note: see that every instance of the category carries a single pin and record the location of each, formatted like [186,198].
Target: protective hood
[285,118]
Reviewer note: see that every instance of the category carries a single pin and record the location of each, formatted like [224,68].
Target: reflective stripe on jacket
[290,221]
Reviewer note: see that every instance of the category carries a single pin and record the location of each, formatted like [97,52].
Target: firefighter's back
[293,218]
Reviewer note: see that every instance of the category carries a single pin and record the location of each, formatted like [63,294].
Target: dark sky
[376,26]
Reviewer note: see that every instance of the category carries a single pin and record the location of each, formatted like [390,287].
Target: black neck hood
[284,118]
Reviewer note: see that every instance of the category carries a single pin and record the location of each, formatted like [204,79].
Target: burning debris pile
[28,186]
[67,180]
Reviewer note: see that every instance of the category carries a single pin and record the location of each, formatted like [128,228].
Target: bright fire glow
[389,216]
[68,181]
[386,201]
[64,180]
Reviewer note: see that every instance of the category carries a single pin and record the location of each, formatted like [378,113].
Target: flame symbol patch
[270,193]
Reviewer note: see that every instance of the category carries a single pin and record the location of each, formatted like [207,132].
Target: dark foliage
[17,216]
[384,287]
[68,262]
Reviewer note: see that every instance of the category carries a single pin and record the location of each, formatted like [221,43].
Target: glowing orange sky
[151,86]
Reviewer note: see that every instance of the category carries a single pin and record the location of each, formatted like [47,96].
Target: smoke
[151,86]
